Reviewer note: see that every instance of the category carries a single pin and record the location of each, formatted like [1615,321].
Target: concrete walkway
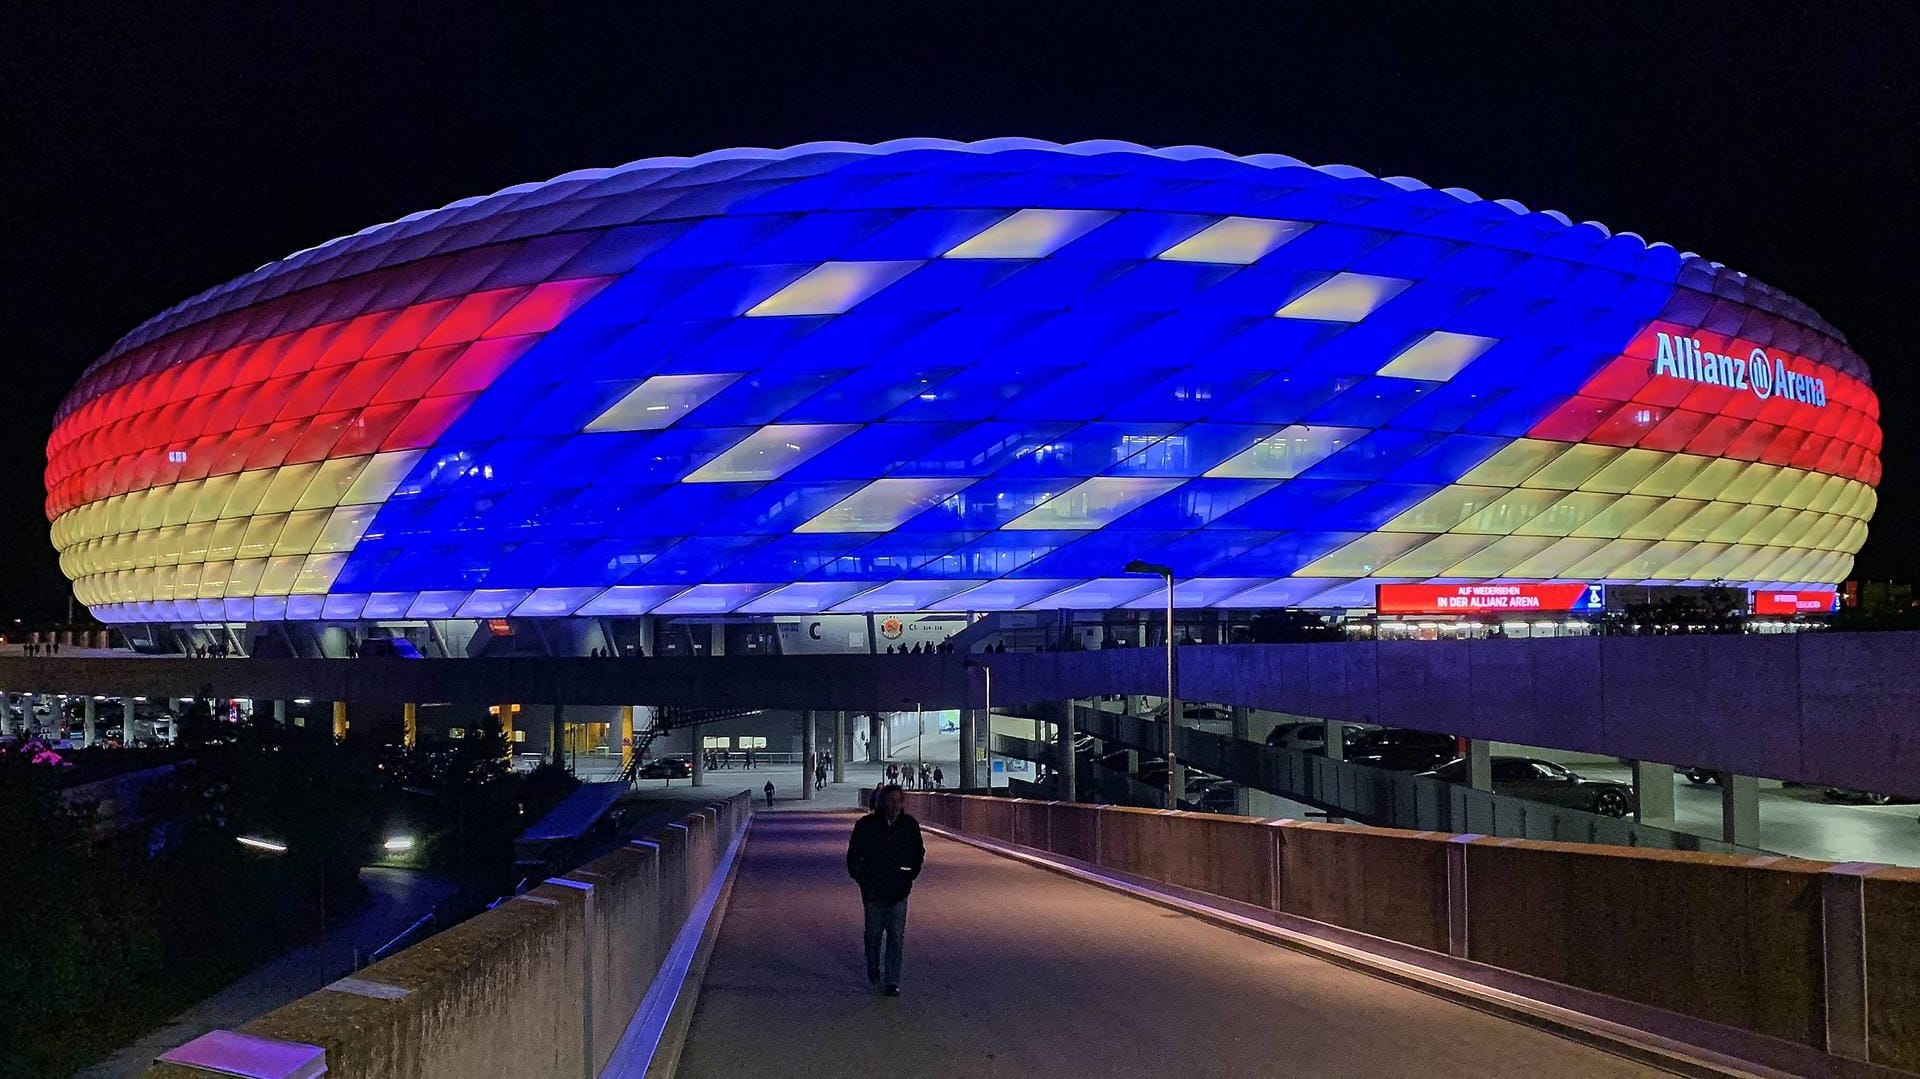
[1017,972]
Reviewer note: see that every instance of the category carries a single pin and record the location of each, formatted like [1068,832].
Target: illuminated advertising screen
[1561,598]
[1788,601]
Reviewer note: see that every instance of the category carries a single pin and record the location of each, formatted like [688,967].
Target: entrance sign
[1490,598]
[1787,601]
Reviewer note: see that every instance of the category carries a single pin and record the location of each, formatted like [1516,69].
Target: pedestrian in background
[769,789]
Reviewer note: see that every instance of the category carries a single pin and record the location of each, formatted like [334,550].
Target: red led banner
[1779,601]
[1488,598]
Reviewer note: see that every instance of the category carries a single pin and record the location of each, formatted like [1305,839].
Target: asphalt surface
[1014,971]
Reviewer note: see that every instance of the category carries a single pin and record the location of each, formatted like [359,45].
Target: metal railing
[1387,798]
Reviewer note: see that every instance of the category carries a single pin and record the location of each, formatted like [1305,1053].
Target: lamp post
[1173,698]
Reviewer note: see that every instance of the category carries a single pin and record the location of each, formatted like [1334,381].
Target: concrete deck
[1014,971]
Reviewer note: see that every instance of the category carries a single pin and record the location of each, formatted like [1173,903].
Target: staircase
[671,717]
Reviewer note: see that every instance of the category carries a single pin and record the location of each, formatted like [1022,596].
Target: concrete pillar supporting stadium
[840,747]
[877,747]
[1336,738]
[280,713]
[339,721]
[409,724]
[1653,791]
[699,743]
[1479,764]
[967,775]
[506,726]
[1064,764]
[6,716]
[126,721]
[626,738]
[1242,724]
[90,720]
[1739,809]
[557,736]
[810,751]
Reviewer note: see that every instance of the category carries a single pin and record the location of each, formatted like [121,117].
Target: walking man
[884,857]
[769,789]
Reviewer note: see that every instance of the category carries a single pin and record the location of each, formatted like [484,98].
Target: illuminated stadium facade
[937,377]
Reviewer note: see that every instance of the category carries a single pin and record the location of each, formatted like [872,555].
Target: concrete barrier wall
[1381,881]
[1732,939]
[1891,911]
[542,985]
[1813,953]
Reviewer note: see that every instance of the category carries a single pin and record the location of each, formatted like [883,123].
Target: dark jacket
[885,857]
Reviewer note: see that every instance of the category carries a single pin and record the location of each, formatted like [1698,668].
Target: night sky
[154,150]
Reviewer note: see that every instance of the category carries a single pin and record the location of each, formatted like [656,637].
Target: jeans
[889,920]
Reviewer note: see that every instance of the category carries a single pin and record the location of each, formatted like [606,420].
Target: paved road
[1013,971]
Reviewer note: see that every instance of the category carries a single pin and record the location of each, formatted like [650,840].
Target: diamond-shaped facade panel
[938,376]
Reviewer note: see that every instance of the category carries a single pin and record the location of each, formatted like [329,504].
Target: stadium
[932,380]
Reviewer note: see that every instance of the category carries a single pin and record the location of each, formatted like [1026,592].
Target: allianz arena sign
[1764,376]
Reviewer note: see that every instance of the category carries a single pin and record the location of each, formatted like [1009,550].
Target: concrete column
[1479,764]
[1336,738]
[879,746]
[1064,763]
[90,718]
[6,717]
[1242,724]
[717,639]
[126,721]
[1653,789]
[557,736]
[1130,703]
[409,724]
[810,751]
[1739,809]
[840,747]
[626,739]
[339,721]
[699,741]
[506,727]
[966,776]
[280,713]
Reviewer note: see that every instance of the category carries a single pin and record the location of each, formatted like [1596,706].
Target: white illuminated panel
[1234,241]
[1438,356]
[831,288]
[1286,453]
[884,504]
[768,453]
[1094,502]
[1344,297]
[1030,234]
[659,401]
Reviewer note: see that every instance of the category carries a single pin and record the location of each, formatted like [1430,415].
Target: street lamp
[989,714]
[1173,699]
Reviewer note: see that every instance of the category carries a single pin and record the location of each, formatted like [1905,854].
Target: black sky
[154,150]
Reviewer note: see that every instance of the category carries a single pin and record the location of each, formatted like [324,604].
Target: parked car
[388,648]
[1400,749]
[1311,736]
[667,768]
[1544,781]
[1872,798]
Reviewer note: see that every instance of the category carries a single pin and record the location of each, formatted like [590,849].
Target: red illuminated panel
[383,380]
[1781,601]
[1487,598]
[1712,419]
